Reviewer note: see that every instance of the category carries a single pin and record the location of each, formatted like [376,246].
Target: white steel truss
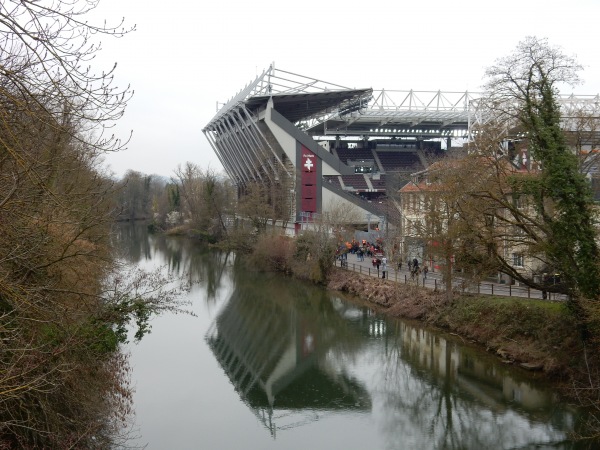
[247,154]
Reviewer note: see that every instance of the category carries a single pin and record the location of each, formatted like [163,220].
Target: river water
[272,363]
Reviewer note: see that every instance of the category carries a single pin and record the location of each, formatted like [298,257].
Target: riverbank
[533,334]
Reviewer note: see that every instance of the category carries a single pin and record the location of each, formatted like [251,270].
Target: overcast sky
[186,56]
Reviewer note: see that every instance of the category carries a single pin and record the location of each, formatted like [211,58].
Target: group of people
[360,249]
[379,260]
[415,269]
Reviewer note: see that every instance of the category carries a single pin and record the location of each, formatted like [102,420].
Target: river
[268,362]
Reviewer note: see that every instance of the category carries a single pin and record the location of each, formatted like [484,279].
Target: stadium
[326,144]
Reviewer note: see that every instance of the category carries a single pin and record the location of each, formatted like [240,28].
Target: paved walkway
[434,280]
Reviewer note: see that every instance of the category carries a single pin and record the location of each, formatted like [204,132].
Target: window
[519,202]
[519,231]
[418,227]
[518,259]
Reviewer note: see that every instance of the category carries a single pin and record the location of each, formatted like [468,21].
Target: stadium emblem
[308,164]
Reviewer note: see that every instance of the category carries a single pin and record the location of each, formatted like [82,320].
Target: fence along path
[433,280]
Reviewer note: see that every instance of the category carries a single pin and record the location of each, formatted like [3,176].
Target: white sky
[187,55]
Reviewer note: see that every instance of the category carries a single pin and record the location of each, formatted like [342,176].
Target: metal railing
[434,281]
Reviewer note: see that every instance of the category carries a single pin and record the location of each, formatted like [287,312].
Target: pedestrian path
[433,279]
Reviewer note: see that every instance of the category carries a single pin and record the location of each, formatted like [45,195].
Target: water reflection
[290,350]
[303,359]
[463,398]
[274,342]
[180,255]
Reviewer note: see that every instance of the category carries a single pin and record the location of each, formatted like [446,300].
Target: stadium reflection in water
[294,358]
[287,365]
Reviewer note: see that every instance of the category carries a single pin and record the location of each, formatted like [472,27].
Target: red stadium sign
[309,181]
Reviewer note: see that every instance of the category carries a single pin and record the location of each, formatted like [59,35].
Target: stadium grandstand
[330,144]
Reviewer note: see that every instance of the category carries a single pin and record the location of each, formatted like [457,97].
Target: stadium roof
[423,114]
[304,106]
[323,108]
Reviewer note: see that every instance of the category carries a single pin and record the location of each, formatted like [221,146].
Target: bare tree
[319,242]
[46,49]
[255,205]
[138,195]
[451,223]
[63,382]
[205,199]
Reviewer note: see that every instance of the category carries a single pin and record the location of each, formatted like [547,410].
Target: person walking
[383,266]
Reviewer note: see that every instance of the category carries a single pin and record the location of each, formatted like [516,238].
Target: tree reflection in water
[462,400]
